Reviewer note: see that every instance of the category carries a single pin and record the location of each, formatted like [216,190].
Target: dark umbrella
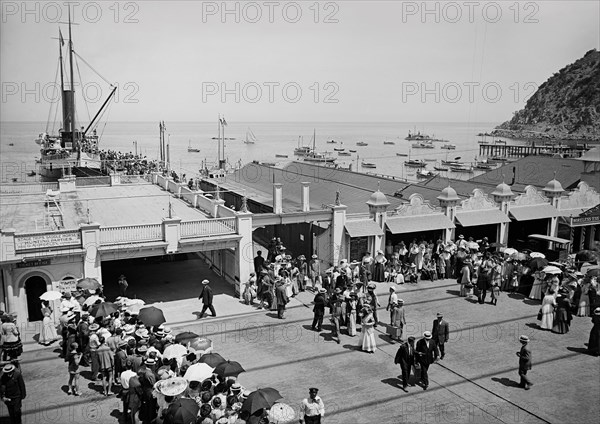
[229,369]
[537,263]
[185,337]
[182,411]
[103,309]
[151,316]
[593,272]
[212,359]
[88,284]
[261,399]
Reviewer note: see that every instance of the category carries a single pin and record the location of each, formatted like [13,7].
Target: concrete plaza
[475,383]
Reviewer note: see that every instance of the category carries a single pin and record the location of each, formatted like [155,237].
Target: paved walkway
[475,383]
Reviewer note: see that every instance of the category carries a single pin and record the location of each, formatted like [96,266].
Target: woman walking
[536,289]
[548,304]
[563,317]
[583,309]
[367,334]
[379,267]
[48,333]
[352,305]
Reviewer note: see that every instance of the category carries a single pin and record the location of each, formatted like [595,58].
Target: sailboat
[192,149]
[250,137]
[313,156]
[72,148]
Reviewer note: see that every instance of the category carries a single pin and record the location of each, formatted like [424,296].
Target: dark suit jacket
[403,357]
[282,298]
[524,359]
[206,295]
[426,354]
[440,331]
[320,301]
[258,264]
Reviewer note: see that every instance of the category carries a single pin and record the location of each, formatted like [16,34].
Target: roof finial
[378,186]
[244,207]
[338,201]
[555,175]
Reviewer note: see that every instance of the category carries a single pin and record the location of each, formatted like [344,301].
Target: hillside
[565,107]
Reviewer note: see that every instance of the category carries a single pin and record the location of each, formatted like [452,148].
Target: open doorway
[34,287]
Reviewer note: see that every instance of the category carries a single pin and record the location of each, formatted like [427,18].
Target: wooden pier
[507,151]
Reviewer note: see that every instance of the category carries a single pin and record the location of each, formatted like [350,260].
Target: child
[74,359]
[495,293]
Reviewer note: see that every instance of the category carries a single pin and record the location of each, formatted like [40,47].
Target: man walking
[207,299]
[312,409]
[319,310]
[524,363]
[405,357]
[335,305]
[12,391]
[440,333]
[314,271]
[282,298]
[393,298]
[427,353]
[373,301]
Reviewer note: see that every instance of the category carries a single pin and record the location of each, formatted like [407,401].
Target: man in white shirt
[312,408]
[393,298]
[125,377]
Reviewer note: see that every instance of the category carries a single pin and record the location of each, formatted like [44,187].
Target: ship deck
[131,204]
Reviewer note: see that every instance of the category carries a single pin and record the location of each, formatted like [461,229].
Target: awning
[413,224]
[481,217]
[530,212]
[574,212]
[548,238]
[363,228]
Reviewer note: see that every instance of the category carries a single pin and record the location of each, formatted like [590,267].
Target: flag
[60,37]
[223,122]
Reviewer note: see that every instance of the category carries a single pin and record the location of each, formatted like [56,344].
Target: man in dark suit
[327,282]
[207,299]
[335,306]
[282,298]
[427,353]
[259,261]
[406,358]
[319,310]
[524,363]
[440,333]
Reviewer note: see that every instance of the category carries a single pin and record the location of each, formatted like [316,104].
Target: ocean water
[272,138]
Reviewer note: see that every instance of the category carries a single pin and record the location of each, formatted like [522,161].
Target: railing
[92,181]
[131,234]
[27,188]
[48,240]
[208,227]
[133,179]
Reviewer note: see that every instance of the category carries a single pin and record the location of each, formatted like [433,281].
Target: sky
[342,61]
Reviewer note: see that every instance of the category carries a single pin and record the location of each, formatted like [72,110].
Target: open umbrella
[186,337]
[201,345]
[229,369]
[134,309]
[91,300]
[473,245]
[282,413]
[175,351]
[261,399]
[198,372]
[537,255]
[88,283]
[51,295]
[510,251]
[537,264]
[212,359]
[520,256]
[182,411]
[103,309]
[125,301]
[551,269]
[593,271]
[151,316]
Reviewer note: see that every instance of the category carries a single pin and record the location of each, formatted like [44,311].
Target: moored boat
[423,145]
[344,154]
[415,163]
[449,146]
[421,173]
[362,143]
[368,165]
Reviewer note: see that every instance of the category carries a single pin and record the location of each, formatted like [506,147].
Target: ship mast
[72,105]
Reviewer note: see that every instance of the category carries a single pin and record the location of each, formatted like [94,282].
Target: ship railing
[25,188]
[208,227]
[131,234]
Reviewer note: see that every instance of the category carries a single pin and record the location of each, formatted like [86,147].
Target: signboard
[585,220]
[47,241]
[34,263]
[65,286]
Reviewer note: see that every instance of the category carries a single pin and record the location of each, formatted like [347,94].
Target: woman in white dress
[548,305]
[48,333]
[367,334]
[584,300]
[536,288]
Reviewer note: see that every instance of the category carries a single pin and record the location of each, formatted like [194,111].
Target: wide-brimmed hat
[94,327]
[392,288]
[338,290]
[205,282]
[439,315]
[314,256]
[142,349]
[371,286]
[524,339]
[8,368]
[142,333]
[302,257]
[244,395]
[597,311]
[461,237]
[427,335]
[160,334]
[128,329]
[400,301]
[322,290]
[150,361]
[173,386]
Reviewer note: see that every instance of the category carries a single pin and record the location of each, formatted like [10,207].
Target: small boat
[344,154]
[302,151]
[483,165]
[423,145]
[425,174]
[402,154]
[415,163]
[11,144]
[368,165]
[337,149]
[440,168]
[388,142]
[352,151]
[417,136]
[449,146]
[461,168]
[440,140]
[226,138]
[331,142]
[362,143]
[497,159]
[31,173]
[15,179]
[451,162]
[250,137]
[192,149]
[281,156]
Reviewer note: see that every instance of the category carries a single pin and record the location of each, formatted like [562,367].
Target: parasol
[212,359]
[510,251]
[261,399]
[88,283]
[103,309]
[537,264]
[186,337]
[229,369]
[182,411]
[51,295]
[593,271]
[175,351]
[537,255]
[133,309]
[198,372]
[201,345]
[151,316]
[92,299]
[551,269]
[172,386]
[282,413]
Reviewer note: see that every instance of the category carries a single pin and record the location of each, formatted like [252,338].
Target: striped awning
[481,217]
[530,212]
[363,228]
[418,223]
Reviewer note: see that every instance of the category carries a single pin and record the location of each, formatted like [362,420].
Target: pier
[503,150]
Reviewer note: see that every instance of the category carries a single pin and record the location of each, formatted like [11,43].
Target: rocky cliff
[565,107]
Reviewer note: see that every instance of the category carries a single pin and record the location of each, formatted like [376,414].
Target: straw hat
[427,335]
[173,386]
[524,339]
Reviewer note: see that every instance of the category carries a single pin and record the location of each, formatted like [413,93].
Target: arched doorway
[34,287]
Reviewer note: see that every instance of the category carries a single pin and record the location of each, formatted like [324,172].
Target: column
[244,252]
[115,179]
[67,184]
[171,232]
[305,197]
[338,223]
[90,241]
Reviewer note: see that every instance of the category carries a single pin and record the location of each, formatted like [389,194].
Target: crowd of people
[128,163]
